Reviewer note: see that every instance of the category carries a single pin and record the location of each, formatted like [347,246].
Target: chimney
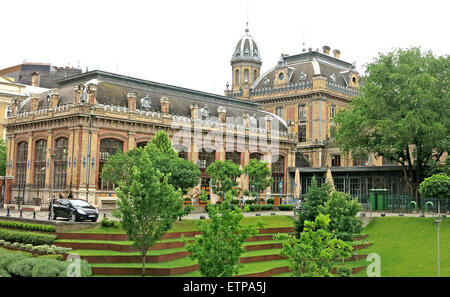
[54,95]
[35,79]
[165,104]
[222,111]
[131,96]
[78,88]
[337,53]
[195,112]
[34,102]
[326,49]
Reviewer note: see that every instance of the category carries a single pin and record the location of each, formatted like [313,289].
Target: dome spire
[246,28]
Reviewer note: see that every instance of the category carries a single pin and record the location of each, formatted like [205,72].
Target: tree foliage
[316,197]
[316,252]
[437,186]
[148,204]
[401,113]
[260,176]
[219,246]
[2,157]
[223,176]
[342,210]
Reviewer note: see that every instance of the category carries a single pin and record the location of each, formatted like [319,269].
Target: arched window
[40,155]
[278,174]
[246,76]
[61,146]
[21,162]
[233,156]
[205,159]
[256,156]
[236,76]
[141,144]
[108,147]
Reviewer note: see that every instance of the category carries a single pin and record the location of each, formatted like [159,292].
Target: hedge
[26,237]
[26,226]
[256,207]
[270,201]
[285,207]
[105,222]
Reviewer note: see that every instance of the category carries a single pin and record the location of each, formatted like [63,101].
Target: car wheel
[93,220]
[54,217]
[73,217]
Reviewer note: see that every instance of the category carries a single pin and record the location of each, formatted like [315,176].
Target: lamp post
[52,152]
[281,190]
[438,223]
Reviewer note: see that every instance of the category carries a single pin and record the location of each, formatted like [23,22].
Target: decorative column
[92,93]
[165,104]
[78,88]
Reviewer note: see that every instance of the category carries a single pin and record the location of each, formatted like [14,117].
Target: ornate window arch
[40,156]
[108,147]
[21,162]
[62,147]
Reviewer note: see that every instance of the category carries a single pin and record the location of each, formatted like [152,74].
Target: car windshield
[79,203]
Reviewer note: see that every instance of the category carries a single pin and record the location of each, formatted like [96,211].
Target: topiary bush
[105,222]
[270,201]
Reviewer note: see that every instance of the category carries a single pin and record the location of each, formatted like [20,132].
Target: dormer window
[146,103]
[302,76]
[333,77]
[204,112]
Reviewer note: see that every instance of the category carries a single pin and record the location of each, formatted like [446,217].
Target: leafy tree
[223,176]
[342,210]
[437,186]
[401,113]
[317,252]
[260,176]
[220,245]
[316,197]
[148,205]
[2,157]
[441,168]
[183,173]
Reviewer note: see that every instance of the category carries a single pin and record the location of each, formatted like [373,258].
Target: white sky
[190,43]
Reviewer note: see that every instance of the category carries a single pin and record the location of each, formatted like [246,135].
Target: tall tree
[219,246]
[437,186]
[259,175]
[401,113]
[148,205]
[223,176]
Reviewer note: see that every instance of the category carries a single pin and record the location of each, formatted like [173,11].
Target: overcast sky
[190,43]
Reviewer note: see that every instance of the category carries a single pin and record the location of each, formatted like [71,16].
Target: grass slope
[408,246]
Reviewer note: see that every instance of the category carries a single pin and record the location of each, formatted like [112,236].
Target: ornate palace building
[64,136]
[61,138]
[306,90]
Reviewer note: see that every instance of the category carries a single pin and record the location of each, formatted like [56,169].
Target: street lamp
[52,152]
[438,223]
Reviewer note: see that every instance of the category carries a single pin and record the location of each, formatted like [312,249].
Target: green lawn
[408,246]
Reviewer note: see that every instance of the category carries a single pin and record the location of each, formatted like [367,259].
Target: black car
[75,210]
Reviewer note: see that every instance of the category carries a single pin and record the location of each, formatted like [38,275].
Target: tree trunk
[143,255]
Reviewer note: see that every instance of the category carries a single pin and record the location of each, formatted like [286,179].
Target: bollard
[34,214]
[7,214]
[20,214]
[104,215]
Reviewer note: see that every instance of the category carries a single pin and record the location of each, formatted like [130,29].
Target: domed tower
[245,64]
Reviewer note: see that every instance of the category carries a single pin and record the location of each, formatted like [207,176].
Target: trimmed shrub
[2,242]
[284,207]
[235,201]
[26,237]
[270,201]
[246,208]
[250,201]
[27,226]
[24,267]
[266,207]
[105,222]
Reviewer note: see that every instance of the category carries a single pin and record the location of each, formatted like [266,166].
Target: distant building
[38,74]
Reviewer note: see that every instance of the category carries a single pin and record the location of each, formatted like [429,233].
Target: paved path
[41,215]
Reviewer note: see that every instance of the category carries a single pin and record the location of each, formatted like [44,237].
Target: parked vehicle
[74,210]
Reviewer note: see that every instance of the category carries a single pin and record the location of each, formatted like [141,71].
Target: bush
[24,267]
[255,207]
[187,199]
[246,208]
[7,243]
[235,201]
[26,226]
[105,222]
[7,259]
[284,207]
[266,207]
[26,237]
[270,201]
[250,201]
[2,242]
[344,271]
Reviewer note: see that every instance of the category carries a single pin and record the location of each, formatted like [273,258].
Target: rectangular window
[332,111]
[336,160]
[302,113]
[280,112]
[233,156]
[302,133]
